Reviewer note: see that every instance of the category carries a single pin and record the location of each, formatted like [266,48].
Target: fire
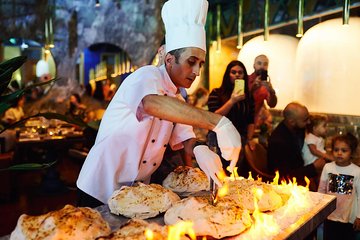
[234,173]
[264,224]
[180,229]
[298,202]
[268,225]
[149,234]
[223,191]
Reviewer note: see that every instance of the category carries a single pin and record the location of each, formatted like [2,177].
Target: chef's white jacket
[130,144]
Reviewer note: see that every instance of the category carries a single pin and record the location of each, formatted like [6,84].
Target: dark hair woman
[237,106]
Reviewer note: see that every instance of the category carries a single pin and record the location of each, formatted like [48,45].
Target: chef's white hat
[184,23]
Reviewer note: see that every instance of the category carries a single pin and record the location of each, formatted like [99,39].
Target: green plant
[7,69]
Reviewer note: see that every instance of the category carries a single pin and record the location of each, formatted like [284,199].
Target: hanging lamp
[346,12]
[240,20]
[300,19]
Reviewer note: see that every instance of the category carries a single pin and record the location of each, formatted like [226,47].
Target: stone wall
[132,25]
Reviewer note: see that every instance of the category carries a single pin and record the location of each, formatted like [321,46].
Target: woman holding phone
[234,103]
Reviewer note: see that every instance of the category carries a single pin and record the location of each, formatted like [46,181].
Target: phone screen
[264,75]
[239,86]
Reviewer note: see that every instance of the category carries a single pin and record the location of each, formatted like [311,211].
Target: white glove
[229,141]
[209,162]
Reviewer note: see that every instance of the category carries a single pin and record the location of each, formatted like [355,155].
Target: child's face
[342,153]
[320,129]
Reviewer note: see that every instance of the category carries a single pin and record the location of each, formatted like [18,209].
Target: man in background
[285,146]
[262,91]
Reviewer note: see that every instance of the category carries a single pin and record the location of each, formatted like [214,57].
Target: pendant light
[266,20]
[300,19]
[346,12]
[240,20]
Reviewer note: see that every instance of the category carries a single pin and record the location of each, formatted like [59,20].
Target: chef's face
[184,71]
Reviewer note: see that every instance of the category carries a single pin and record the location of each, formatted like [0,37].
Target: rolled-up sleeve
[180,134]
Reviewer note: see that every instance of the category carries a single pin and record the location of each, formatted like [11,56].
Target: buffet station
[183,207]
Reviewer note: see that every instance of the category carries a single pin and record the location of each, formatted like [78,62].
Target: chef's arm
[188,151]
[174,110]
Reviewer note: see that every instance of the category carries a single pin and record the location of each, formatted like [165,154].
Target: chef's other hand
[229,141]
[209,162]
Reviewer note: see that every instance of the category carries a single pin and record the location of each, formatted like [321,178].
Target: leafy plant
[7,69]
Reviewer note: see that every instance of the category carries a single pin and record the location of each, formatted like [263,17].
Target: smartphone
[263,75]
[239,86]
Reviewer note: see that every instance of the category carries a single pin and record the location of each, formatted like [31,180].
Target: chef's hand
[229,141]
[209,162]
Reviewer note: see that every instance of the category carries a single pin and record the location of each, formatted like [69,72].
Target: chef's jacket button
[144,161]
[154,164]
[153,140]
[165,145]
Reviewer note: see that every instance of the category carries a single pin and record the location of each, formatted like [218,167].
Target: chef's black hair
[176,53]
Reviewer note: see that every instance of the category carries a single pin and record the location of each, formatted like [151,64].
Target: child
[314,141]
[341,178]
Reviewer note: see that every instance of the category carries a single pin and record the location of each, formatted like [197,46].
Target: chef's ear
[169,59]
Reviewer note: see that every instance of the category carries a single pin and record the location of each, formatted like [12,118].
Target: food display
[213,220]
[244,192]
[67,223]
[243,209]
[142,201]
[186,179]
[136,229]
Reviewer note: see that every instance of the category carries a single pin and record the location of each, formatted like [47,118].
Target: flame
[276,179]
[221,175]
[266,226]
[149,234]
[180,229]
[234,173]
[250,176]
[223,190]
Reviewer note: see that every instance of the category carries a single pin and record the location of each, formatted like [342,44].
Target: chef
[147,113]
